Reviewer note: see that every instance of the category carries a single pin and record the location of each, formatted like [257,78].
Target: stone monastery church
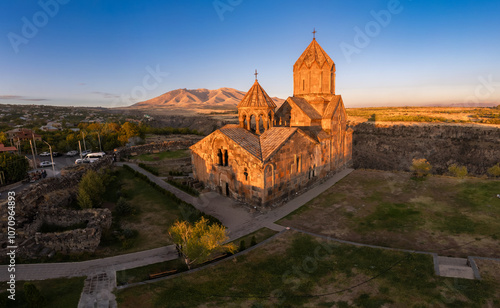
[273,154]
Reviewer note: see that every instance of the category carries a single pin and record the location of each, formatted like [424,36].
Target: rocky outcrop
[392,147]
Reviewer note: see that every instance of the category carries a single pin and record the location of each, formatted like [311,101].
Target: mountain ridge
[198,98]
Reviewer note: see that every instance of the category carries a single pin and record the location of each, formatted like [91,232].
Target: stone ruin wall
[78,240]
[44,202]
[392,146]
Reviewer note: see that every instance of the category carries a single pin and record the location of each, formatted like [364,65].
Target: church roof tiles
[263,146]
[257,97]
[314,53]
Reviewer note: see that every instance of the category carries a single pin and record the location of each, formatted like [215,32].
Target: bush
[123,208]
[90,190]
[420,167]
[494,171]
[458,171]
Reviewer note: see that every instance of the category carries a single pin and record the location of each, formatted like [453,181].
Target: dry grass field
[450,216]
[484,115]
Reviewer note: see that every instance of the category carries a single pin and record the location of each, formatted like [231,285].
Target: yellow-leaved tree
[420,167]
[199,242]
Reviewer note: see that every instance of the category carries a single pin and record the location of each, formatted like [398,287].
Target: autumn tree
[3,138]
[127,131]
[420,167]
[458,171]
[201,241]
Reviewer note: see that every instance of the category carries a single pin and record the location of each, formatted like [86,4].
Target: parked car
[72,153]
[86,152]
[45,154]
[81,161]
[56,154]
[92,157]
[46,163]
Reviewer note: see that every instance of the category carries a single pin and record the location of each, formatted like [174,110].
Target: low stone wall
[74,241]
[78,240]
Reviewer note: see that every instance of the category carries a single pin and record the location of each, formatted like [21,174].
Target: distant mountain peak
[222,98]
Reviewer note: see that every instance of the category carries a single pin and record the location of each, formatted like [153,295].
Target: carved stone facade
[274,154]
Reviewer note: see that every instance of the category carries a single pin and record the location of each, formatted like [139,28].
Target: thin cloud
[22,98]
[10,97]
[105,94]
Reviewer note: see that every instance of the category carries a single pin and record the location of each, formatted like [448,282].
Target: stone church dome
[257,97]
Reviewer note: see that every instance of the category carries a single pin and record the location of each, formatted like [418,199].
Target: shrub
[420,167]
[458,171]
[123,208]
[494,171]
[90,190]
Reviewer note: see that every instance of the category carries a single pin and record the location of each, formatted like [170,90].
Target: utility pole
[51,159]
[83,137]
[99,136]
[34,142]
[80,147]
[34,158]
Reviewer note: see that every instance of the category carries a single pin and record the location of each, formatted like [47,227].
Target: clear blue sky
[100,53]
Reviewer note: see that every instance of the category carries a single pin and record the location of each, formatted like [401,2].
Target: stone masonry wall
[392,147]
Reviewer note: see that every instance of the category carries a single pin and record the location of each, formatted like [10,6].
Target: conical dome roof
[314,53]
[257,97]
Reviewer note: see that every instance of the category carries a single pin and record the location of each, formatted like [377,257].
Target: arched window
[219,157]
[226,156]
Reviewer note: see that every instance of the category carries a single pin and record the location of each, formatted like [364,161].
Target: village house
[273,153]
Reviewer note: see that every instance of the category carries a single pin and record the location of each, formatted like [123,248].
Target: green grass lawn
[391,209]
[58,293]
[297,270]
[163,155]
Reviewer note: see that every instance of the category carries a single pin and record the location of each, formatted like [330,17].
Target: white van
[92,157]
